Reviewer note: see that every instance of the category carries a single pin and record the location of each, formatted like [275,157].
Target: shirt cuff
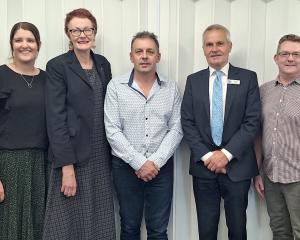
[206,156]
[227,154]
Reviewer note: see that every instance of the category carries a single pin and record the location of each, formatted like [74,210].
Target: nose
[214,47]
[290,57]
[24,43]
[144,54]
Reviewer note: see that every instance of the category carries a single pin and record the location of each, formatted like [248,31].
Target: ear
[158,57]
[230,46]
[275,58]
[131,57]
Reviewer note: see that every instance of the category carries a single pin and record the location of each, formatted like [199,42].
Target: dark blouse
[22,110]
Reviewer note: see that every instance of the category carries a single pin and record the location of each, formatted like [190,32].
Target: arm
[190,130]
[258,182]
[115,136]
[245,135]
[56,110]
[173,136]
[57,127]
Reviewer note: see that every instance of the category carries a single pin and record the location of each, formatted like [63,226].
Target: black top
[22,110]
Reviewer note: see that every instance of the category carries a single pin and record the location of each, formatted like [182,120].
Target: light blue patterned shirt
[139,128]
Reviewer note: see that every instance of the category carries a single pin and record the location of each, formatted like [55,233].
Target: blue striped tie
[217,110]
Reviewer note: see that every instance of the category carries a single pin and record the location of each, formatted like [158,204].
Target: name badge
[233,81]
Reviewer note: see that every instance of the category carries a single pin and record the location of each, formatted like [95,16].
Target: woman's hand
[69,185]
[2,195]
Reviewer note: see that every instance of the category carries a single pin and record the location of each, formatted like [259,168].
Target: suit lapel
[204,87]
[233,73]
[99,67]
[76,67]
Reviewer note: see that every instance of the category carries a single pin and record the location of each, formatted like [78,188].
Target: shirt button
[275,129]
[146,135]
[273,143]
[146,118]
[277,114]
[280,100]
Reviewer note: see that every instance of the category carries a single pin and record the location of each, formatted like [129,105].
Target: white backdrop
[255,25]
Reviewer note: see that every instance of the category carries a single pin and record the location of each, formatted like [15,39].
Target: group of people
[69,134]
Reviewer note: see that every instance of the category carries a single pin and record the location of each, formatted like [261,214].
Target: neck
[84,58]
[286,79]
[145,78]
[24,68]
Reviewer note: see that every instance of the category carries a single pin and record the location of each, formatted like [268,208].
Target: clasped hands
[148,171]
[217,162]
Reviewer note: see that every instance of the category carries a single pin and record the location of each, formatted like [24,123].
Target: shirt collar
[131,77]
[277,81]
[224,70]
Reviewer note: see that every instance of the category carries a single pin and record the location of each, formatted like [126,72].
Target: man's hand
[217,162]
[259,186]
[148,171]
[2,195]
[69,185]
[221,170]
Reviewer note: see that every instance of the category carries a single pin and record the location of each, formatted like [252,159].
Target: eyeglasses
[76,32]
[295,55]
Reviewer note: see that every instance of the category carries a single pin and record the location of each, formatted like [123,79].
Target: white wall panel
[255,25]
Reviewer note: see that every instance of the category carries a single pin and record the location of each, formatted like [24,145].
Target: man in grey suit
[220,117]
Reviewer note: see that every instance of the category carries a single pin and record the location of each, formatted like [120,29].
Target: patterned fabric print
[217,110]
[22,173]
[140,128]
[281,131]
[90,214]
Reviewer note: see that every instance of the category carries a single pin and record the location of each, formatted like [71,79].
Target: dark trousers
[136,197]
[208,194]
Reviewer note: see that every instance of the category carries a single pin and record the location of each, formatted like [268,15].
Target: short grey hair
[216,27]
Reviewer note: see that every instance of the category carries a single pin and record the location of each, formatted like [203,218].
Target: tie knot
[218,74]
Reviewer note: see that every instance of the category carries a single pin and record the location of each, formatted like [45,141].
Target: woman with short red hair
[80,202]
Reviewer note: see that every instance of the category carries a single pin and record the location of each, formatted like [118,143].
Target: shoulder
[242,71]
[265,87]
[100,58]
[57,62]
[120,79]
[194,77]
[198,74]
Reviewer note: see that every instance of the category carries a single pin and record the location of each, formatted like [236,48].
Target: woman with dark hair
[23,138]
[80,202]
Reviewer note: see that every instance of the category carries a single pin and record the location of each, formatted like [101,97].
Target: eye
[220,44]
[208,44]
[17,40]
[284,54]
[296,54]
[31,40]
[150,51]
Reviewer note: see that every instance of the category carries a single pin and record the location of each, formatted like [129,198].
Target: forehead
[23,33]
[290,46]
[215,35]
[80,22]
[144,43]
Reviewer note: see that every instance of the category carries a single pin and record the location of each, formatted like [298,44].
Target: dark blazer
[241,122]
[69,107]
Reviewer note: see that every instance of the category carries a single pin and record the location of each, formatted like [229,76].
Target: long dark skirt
[22,173]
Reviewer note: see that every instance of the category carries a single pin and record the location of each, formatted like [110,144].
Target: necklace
[29,84]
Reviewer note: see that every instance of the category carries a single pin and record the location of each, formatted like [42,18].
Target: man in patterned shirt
[278,150]
[142,121]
